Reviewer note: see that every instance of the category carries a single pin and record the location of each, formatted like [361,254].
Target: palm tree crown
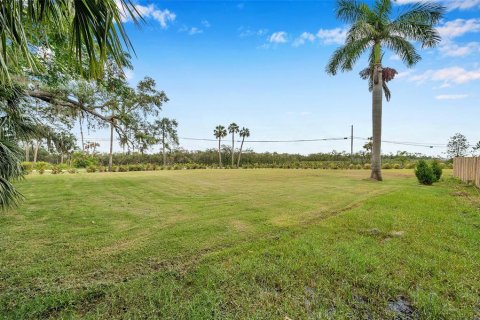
[220,132]
[233,128]
[244,132]
[372,28]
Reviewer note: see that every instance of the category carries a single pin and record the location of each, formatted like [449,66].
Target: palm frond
[388,74]
[351,11]
[95,27]
[360,30]
[345,57]
[404,49]
[383,8]
[9,195]
[417,24]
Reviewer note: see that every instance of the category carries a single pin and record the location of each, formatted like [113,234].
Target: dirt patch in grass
[402,309]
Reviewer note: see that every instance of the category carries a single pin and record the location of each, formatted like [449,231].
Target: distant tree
[233,128]
[368,146]
[372,29]
[65,143]
[244,133]
[165,131]
[129,109]
[90,145]
[219,133]
[476,148]
[457,146]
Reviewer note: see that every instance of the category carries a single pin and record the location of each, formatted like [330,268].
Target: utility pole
[351,144]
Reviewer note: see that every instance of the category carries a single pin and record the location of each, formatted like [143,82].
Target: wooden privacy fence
[467,169]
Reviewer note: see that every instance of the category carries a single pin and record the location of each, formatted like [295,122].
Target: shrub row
[329,165]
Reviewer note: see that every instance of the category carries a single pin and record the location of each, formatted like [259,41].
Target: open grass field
[241,244]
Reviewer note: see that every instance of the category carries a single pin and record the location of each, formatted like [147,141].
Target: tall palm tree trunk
[219,154]
[377,123]
[110,156]
[240,152]
[233,148]
[80,123]
[27,151]
[163,149]
[35,151]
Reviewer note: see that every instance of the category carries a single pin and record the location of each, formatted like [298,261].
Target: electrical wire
[404,143]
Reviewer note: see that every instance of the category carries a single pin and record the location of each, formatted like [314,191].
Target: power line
[271,141]
[405,143]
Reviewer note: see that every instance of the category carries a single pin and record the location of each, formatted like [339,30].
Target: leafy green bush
[56,170]
[397,166]
[122,168]
[27,167]
[91,169]
[63,166]
[437,170]
[424,173]
[41,171]
[411,165]
[135,167]
[72,170]
[42,166]
[83,160]
[387,166]
[367,166]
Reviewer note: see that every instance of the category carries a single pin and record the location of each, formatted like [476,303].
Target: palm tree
[233,128]
[219,133]
[166,129]
[244,133]
[94,28]
[14,127]
[373,29]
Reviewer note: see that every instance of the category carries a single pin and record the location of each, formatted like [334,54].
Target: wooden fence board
[467,169]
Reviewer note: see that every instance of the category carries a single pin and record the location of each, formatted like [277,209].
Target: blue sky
[261,64]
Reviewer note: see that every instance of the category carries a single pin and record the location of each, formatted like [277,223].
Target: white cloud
[206,23]
[190,30]
[451,96]
[332,36]
[458,27]
[451,49]
[194,30]
[454,29]
[450,4]
[403,74]
[462,4]
[303,38]
[164,17]
[244,32]
[278,37]
[453,75]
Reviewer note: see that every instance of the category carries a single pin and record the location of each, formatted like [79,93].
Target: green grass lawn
[240,244]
